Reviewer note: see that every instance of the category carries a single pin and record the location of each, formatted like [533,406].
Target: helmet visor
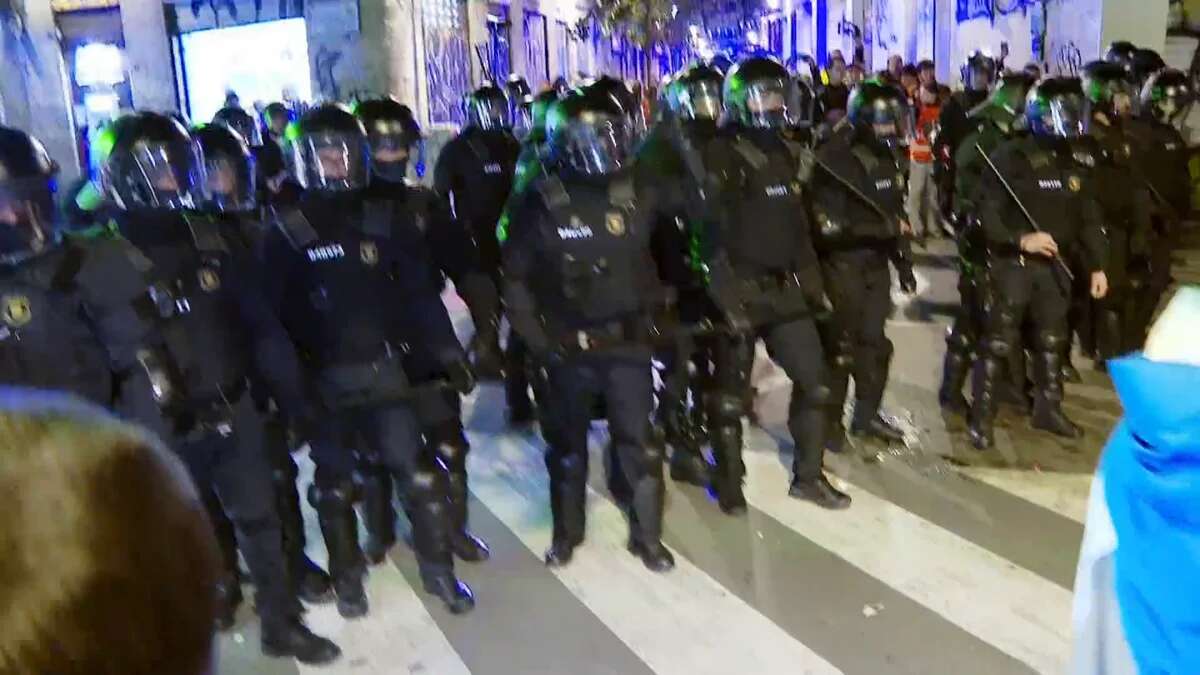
[1064,116]
[229,183]
[698,101]
[595,143]
[891,122]
[522,116]
[331,161]
[489,113]
[157,175]
[770,104]
[245,127]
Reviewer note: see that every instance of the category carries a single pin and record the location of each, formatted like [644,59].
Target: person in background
[926,72]
[1033,70]
[232,100]
[910,80]
[895,67]
[835,93]
[1138,577]
[97,579]
[922,189]
[855,74]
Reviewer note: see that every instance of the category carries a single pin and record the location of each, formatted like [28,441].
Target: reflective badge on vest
[1074,183]
[576,230]
[209,279]
[493,169]
[16,310]
[1171,146]
[615,223]
[1050,184]
[778,191]
[330,252]
[369,253]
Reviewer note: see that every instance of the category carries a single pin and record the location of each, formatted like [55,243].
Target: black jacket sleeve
[995,202]
[520,258]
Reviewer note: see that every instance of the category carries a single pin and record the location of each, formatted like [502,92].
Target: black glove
[908,280]
[460,376]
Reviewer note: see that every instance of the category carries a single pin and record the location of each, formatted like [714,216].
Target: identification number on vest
[329,252]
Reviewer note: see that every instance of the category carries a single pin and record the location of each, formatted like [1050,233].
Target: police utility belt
[622,332]
[773,296]
[356,384]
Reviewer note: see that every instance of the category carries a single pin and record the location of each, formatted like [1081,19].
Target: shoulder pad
[756,158]
[867,158]
[621,192]
[295,226]
[553,193]
[1084,158]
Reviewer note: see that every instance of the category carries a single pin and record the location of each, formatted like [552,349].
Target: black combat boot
[1109,338]
[485,349]
[568,495]
[465,545]
[229,599]
[311,582]
[645,518]
[981,427]
[819,491]
[428,507]
[339,526]
[877,427]
[379,513]
[729,470]
[954,378]
[1047,406]
[290,638]
[687,462]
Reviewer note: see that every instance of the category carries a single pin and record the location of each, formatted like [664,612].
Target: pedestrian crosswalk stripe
[1002,604]
[1064,494]
[680,622]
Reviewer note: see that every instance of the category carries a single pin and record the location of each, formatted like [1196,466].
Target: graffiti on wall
[969,10]
[1068,59]
[324,63]
[447,60]
[18,43]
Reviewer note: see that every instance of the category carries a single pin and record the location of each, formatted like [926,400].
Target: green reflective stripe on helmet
[89,197]
[502,228]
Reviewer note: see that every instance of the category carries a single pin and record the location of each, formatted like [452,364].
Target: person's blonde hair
[107,561]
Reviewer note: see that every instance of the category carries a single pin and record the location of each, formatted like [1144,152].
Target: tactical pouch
[774,298]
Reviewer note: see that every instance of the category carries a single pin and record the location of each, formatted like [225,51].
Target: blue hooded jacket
[1151,469]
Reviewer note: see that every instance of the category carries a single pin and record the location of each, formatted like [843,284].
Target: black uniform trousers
[390,432]
[1033,288]
[859,284]
[229,461]
[624,380]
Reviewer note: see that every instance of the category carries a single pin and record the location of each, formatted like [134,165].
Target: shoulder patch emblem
[369,252]
[1074,183]
[16,310]
[209,279]
[615,223]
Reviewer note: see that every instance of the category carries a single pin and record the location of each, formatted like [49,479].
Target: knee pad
[726,409]
[423,484]
[818,396]
[650,459]
[998,347]
[958,342]
[1052,341]
[339,495]
[452,451]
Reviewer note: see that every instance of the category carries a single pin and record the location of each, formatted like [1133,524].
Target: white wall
[1142,22]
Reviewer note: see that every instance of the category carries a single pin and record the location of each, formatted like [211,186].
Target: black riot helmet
[229,176]
[1010,92]
[487,109]
[517,88]
[1146,62]
[1056,107]
[276,117]
[1121,53]
[1108,89]
[880,111]
[760,93]
[391,132]
[149,161]
[240,121]
[531,126]
[1167,96]
[27,186]
[695,94]
[624,97]
[330,147]
[979,71]
[589,131]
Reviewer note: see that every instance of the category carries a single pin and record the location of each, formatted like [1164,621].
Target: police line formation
[241,295]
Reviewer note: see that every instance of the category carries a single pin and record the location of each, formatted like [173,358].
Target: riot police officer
[218,329]
[531,165]
[1000,119]
[358,304]
[241,122]
[765,278]
[229,202]
[673,158]
[579,289]
[66,305]
[1124,201]
[447,248]
[475,172]
[1161,156]
[858,203]
[1028,269]
[978,74]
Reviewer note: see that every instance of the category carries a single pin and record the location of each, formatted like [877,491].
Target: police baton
[887,217]
[1024,211]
